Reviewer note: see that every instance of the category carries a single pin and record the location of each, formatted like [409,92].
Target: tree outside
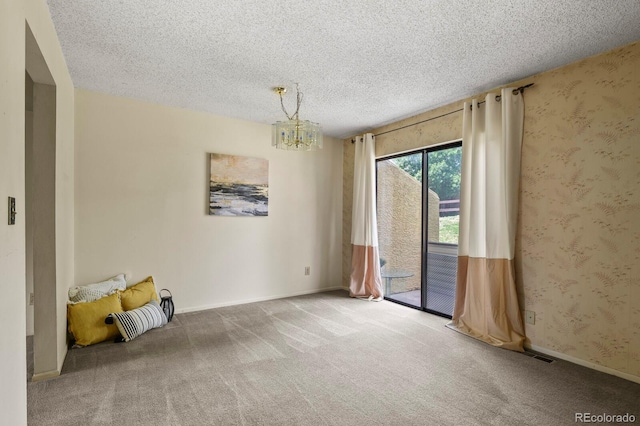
[444,170]
[444,179]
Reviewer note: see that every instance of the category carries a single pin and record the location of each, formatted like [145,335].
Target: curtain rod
[515,92]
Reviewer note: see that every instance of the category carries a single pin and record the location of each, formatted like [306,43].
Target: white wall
[13,392]
[13,15]
[142,206]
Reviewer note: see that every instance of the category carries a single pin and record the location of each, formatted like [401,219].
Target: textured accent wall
[578,241]
[579,234]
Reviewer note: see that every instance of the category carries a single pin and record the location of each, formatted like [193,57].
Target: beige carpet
[322,359]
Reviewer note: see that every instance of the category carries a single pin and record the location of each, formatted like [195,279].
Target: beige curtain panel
[486,305]
[366,281]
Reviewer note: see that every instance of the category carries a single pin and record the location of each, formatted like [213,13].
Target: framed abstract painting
[238,186]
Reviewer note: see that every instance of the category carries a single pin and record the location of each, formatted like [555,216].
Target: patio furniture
[392,274]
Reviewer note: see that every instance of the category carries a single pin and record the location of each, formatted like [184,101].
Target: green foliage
[444,170]
[411,164]
[449,229]
[444,173]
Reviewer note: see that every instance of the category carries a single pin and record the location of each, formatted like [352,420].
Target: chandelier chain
[299,97]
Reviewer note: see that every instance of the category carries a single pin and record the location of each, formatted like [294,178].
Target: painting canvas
[239,186]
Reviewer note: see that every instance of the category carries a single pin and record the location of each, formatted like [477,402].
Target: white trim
[44,376]
[66,352]
[419,148]
[584,363]
[257,299]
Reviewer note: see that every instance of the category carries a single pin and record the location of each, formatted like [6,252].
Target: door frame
[424,217]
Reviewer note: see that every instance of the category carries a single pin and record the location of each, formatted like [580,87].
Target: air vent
[544,358]
[540,357]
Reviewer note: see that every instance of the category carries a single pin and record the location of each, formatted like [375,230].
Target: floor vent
[544,358]
[540,357]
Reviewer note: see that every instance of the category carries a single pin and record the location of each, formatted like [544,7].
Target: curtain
[486,304]
[366,281]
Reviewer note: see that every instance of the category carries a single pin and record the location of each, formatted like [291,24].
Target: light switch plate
[12,211]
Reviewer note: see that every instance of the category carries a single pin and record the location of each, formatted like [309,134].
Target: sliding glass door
[399,201]
[418,197]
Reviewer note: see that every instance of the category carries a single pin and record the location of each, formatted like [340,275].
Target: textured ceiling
[359,64]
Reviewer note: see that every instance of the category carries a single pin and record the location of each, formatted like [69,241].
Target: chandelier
[295,134]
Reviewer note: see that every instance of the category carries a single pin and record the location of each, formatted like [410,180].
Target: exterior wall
[434,216]
[142,191]
[399,212]
[578,240]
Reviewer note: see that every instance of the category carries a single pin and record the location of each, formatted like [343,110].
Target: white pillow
[95,291]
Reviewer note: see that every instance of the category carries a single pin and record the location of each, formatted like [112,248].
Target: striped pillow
[136,321]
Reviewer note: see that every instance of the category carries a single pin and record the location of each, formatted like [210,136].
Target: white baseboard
[257,299]
[64,357]
[584,363]
[44,376]
[53,373]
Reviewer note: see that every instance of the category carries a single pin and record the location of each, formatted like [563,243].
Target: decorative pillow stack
[89,306]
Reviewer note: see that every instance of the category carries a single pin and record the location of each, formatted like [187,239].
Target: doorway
[418,207]
[40,212]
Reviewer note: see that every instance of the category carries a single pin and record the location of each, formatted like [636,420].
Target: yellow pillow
[139,294]
[86,320]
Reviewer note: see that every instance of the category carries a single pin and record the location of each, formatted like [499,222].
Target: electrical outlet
[307,270]
[530,317]
[31,299]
